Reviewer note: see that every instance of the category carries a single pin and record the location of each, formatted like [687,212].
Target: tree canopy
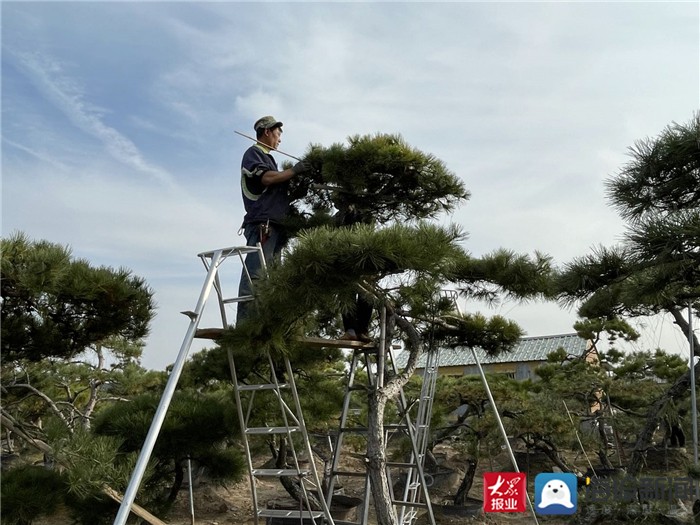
[657,266]
[361,227]
[372,179]
[56,305]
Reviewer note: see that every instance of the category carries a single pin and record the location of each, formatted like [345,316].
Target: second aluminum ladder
[414,496]
[283,414]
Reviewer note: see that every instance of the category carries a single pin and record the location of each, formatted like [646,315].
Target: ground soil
[214,504]
[232,505]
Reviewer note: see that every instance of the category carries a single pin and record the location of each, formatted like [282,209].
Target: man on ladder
[266,200]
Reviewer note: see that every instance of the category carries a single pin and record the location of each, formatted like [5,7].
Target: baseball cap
[267,122]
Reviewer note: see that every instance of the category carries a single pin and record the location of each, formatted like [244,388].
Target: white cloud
[532,104]
[68,95]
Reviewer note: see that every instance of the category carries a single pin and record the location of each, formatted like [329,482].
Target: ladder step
[283,513]
[278,472]
[230,251]
[269,386]
[409,504]
[237,299]
[271,430]
[397,464]
[396,426]
[359,430]
[349,473]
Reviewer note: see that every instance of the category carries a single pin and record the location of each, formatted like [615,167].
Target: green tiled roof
[527,349]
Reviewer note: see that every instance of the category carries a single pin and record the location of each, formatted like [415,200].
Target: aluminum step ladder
[413,492]
[414,496]
[288,423]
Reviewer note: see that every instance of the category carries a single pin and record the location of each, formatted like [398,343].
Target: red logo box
[505,491]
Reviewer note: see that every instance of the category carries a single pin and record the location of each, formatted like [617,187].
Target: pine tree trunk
[376,459]
[551,451]
[680,320]
[377,400]
[177,483]
[467,481]
[677,391]
[291,485]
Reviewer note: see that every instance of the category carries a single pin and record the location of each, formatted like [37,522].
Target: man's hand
[300,167]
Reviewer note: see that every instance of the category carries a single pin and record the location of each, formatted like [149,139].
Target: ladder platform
[278,472]
[209,333]
[225,252]
[271,430]
[320,342]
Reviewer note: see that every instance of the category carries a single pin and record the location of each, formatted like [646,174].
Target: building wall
[517,370]
[450,371]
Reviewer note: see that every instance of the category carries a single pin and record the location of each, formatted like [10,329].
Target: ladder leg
[157,423]
[359,356]
[415,474]
[242,421]
[307,444]
[337,449]
[289,422]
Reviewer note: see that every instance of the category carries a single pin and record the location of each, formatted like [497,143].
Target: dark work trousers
[272,245]
[359,319]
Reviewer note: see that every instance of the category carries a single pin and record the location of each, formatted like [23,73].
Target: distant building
[520,363]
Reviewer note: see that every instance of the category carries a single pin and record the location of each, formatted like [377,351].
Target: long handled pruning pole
[273,149]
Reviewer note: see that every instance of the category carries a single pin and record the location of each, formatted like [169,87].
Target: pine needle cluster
[657,266]
[377,178]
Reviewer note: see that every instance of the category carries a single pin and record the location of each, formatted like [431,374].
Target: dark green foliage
[504,272]
[29,492]
[89,460]
[194,421]
[372,194]
[322,273]
[54,305]
[207,369]
[664,173]
[615,328]
[657,267]
[200,426]
[378,178]
[494,335]
[657,367]
[97,509]
[574,380]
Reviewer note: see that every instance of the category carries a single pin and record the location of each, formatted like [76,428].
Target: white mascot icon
[555,492]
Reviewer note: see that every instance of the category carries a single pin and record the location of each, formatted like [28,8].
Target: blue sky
[118,120]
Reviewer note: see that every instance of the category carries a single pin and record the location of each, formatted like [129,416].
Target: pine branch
[50,402]
[9,423]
